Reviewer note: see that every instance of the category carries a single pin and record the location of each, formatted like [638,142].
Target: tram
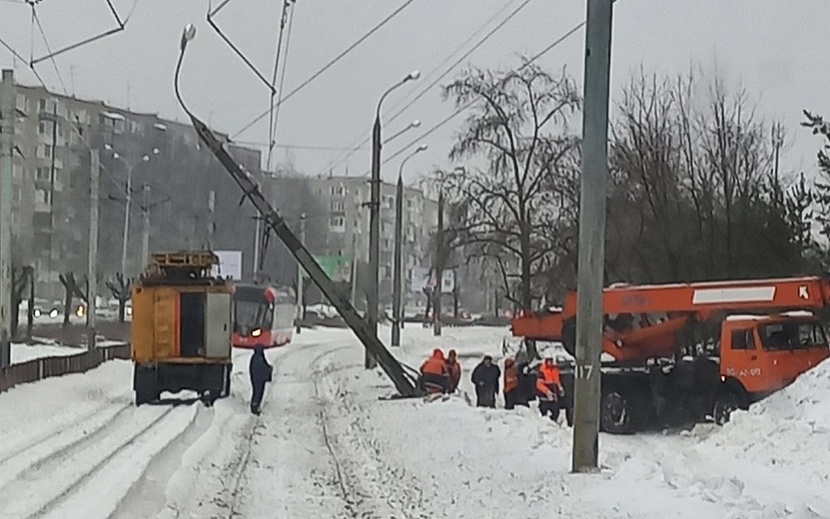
[263,314]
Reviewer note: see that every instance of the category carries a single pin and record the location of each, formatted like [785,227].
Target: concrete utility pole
[374,240]
[354,270]
[592,236]
[7,108]
[374,220]
[126,234]
[397,308]
[145,229]
[439,268]
[257,241]
[300,315]
[92,255]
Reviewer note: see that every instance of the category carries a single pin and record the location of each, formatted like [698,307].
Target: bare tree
[121,288]
[514,206]
[71,291]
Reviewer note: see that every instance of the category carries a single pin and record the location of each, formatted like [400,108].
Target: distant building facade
[54,135]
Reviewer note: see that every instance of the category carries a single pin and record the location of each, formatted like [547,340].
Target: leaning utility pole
[300,306]
[437,292]
[590,280]
[211,218]
[374,241]
[145,231]
[7,109]
[92,253]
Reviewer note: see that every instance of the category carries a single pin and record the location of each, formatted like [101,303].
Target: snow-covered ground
[22,352]
[326,446]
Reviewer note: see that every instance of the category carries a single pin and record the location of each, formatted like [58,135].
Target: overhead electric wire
[282,80]
[329,64]
[423,92]
[49,50]
[444,121]
[277,56]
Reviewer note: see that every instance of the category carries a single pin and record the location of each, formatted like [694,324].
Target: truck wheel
[616,413]
[726,403]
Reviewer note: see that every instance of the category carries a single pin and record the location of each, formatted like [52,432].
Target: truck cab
[762,354]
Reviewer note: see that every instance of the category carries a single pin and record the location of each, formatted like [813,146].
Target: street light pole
[591,260]
[397,316]
[145,230]
[92,252]
[374,221]
[7,106]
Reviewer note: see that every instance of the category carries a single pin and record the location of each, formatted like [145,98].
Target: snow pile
[24,352]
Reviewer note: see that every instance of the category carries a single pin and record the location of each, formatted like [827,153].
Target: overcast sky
[775,49]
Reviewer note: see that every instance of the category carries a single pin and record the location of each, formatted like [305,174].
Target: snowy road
[325,446]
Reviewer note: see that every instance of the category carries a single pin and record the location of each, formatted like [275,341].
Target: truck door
[740,358]
[792,347]
[218,319]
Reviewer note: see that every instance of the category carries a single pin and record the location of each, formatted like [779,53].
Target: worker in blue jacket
[260,374]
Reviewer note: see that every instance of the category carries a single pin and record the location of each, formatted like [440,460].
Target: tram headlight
[256,332]
[53,313]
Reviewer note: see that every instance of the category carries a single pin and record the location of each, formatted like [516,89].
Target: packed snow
[41,348]
[327,446]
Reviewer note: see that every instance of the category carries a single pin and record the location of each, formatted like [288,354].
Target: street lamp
[397,310]
[129,199]
[414,124]
[374,217]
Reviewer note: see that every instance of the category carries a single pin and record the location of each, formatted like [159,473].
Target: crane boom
[273,221]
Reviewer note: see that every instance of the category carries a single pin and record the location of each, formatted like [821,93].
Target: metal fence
[45,367]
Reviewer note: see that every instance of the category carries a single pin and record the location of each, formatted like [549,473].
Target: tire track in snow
[236,470]
[45,485]
[146,497]
[16,451]
[360,501]
[42,453]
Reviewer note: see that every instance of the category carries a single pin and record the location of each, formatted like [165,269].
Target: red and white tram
[263,314]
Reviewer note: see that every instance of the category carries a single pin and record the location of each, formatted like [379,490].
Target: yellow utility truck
[181,329]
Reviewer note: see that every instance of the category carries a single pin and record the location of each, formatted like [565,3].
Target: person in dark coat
[260,372]
[486,381]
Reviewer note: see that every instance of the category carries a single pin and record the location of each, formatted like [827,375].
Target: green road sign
[338,268]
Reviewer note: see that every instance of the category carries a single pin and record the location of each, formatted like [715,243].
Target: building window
[337,221]
[337,206]
[42,196]
[16,196]
[338,190]
[44,151]
[44,128]
[17,171]
[43,174]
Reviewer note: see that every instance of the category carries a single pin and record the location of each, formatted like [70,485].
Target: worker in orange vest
[434,373]
[549,389]
[453,371]
[511,383]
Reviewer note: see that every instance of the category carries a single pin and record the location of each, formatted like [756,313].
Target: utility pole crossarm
[272,220]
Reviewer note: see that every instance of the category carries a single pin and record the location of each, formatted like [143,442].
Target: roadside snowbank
[22,352]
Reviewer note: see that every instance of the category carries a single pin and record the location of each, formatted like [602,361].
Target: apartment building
[345,200]
[54,135]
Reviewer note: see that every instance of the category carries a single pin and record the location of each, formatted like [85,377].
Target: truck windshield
[792,336]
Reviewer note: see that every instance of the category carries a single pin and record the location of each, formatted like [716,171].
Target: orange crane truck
[688,351]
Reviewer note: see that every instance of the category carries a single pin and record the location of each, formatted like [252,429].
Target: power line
[474,101]
[329,64]
[272,127]
[367,135]
[48,49]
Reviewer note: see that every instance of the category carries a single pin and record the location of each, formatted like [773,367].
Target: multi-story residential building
[54,135]
[345,203]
